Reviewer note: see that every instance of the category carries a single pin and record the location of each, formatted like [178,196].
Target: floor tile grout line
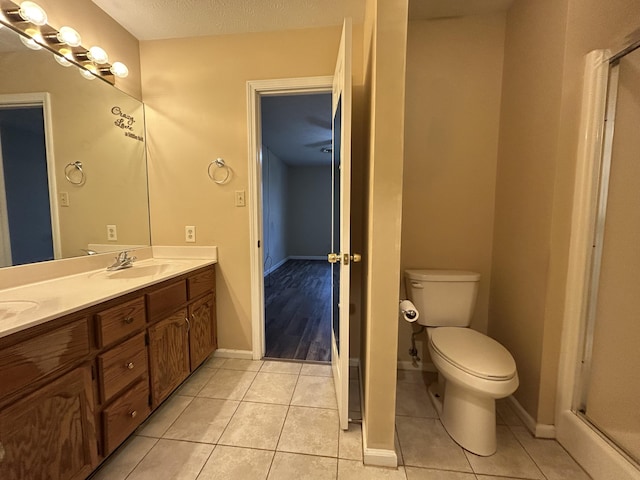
[527,451]
[139,461]
[275,450]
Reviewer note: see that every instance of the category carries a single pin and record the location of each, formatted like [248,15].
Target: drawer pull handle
[130,365]
[186,319]
[133,414]
[128,320]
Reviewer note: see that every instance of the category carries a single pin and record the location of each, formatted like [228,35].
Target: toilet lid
[473,352]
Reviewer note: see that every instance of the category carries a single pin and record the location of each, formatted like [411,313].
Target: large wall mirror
[73,173]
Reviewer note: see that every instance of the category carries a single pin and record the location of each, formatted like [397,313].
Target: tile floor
[246,420]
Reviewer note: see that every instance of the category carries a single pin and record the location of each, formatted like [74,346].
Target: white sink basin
[13,308]
[138,271]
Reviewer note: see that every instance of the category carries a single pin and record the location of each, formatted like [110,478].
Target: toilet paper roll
[409,311]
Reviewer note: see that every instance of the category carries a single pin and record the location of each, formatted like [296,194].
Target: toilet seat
[473,353]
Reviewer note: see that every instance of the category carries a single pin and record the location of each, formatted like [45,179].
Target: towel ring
[219,164]
[77,166]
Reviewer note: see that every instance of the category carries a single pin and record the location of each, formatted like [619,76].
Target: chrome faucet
[123,260]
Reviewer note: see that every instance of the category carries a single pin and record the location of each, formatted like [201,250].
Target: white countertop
[32,304]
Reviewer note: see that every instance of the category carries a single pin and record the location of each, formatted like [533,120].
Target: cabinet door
[168,355]
[202,332]
[50,433]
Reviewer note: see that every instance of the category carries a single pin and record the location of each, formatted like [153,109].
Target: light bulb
[119,69]
[34,41]
[32,12]
[64,56]
[69,36]
[97,55]
[89,72]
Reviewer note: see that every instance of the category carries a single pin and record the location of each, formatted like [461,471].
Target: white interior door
[341,232]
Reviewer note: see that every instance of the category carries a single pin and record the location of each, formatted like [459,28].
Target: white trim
[5,248]
[591,451]
[307,257]
[539,430]
[43,99]
[422,366]
[276,266]
[256,89]
[377,456]
[229,353]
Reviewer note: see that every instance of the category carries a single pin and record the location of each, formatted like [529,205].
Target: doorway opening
[277,261]
[29,230]
[296,132]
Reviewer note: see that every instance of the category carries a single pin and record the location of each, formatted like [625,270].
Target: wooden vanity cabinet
[73,389]
[182,330]
[50,433]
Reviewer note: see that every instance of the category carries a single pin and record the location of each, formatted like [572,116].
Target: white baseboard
[377,456]
[229,353]
[276,266]
[421,366]
[539,430]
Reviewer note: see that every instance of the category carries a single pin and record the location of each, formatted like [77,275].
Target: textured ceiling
[296,127]
[157,19]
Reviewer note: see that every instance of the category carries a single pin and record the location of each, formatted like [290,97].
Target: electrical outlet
[190,234]
[240,200]
[64,199]
[112,233]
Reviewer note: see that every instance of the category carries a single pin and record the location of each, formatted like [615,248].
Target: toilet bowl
[474,370]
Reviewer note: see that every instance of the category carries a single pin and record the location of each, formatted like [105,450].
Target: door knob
[356,258]
[333,257]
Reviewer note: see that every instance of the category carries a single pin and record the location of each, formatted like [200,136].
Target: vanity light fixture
[66,36]
[33,13]
[97,55]
[119,69]
[34,40]
[30,21]
[63,57]
[89,71]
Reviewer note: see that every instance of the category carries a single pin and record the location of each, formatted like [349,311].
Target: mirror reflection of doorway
[296,219]
[25,209]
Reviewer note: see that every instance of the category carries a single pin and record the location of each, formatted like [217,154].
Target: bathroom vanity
[75,385]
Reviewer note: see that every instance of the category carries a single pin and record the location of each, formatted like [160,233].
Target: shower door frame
[599,457]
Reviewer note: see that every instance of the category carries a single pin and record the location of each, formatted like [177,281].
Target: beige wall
[525,185]
[98,28]
[385,47]
[452,110]
[197,111]
[545,47]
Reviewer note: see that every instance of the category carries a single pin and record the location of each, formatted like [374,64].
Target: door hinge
[258,243]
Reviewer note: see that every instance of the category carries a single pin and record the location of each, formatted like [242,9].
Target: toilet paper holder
[409,311]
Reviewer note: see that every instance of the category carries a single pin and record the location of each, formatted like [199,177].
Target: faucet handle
[123,256]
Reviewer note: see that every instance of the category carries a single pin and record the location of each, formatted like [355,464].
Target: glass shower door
[611,384]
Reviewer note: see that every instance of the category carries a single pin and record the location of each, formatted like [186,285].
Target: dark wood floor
[298,311]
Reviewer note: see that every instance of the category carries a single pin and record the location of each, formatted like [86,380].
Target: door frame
[255,90]
[42,99]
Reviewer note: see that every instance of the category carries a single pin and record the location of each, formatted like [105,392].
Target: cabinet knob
[133,414]
[128,320]
[130,365]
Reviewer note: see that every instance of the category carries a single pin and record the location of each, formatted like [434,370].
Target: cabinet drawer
[122,417]
[32,359]
[201,283]
[118,322]
[121,365]
[166,299]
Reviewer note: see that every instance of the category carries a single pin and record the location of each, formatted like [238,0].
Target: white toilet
[474,370]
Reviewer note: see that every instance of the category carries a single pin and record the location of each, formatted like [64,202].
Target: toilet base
[470,419]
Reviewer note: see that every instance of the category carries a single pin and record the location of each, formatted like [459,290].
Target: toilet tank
[444,298]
